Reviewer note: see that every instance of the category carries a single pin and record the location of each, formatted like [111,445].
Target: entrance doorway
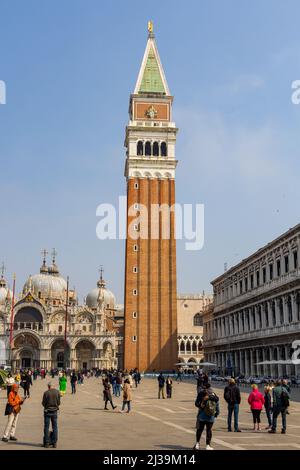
[26,362]
[60,360]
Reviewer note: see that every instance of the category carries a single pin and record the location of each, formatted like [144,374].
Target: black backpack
[285,401]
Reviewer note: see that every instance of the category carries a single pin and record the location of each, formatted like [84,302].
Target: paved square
[153,424]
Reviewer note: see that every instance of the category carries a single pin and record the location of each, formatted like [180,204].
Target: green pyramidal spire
[152,81]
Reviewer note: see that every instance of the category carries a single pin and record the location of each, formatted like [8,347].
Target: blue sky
[69,67]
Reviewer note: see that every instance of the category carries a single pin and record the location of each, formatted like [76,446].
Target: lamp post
[66,325]
[12,320]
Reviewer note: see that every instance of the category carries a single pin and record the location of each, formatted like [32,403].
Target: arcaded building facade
[41,317]
[190,326]
[254,321]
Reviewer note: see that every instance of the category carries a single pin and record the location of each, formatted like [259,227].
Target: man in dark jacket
[161,385]
[51,403]
[232,396]
[281,399]
[73,380]
[26,382]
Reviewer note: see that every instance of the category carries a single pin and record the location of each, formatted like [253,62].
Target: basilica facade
[49,331]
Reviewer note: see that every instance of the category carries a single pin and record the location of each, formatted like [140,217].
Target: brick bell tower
[150,266]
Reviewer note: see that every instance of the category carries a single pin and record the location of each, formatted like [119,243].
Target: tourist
[232,396]
[63,384]
[268,405]
[107,394]
[169,386]
[281,403]
[161,385]
[113,382]
[208,403]
[118,384]
[51,403]
[256,401]
[18,378]
[127,396]
[137,378]
[26,382]
[12,411]
[179,375]
[73,381]
[9,383]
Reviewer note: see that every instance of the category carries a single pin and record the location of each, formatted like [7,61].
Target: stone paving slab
[152,425]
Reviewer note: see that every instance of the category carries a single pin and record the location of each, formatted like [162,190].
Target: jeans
[235,410]
[128,403]
[73,387]
[50,416]
[276,412]
[269,416]
[161,391]
[118,390]
[200,427]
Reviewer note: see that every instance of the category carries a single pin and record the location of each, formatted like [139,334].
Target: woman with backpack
[256,401]
[208,404]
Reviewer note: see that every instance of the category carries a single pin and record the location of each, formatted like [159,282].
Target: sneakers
[272,431]
[283,431]
[13,438]
[238,430]
[4,439]
[197,446]
[209,447]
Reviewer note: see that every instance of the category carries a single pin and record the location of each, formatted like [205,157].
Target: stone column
[264,367]
[247,362]
[294,306]
[285,310]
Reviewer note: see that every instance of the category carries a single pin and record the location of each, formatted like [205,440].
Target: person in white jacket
[9,383]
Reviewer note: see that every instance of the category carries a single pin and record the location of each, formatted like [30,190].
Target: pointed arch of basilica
[26,350]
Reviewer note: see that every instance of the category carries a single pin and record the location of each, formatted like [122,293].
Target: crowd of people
[275,399]
[114,383]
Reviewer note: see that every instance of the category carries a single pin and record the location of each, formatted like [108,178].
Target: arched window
[155,149]
[182,348]
[140,148]
[148,149]
[198,320]
[163,149]
[194,347]
[188,347]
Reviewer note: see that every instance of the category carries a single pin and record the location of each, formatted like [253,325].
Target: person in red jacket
[13,410]
[256,401]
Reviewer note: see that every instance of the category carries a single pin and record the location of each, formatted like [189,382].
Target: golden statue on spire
[150,27]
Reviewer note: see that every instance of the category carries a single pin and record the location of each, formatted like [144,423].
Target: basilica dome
[47,284]
[100,295]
